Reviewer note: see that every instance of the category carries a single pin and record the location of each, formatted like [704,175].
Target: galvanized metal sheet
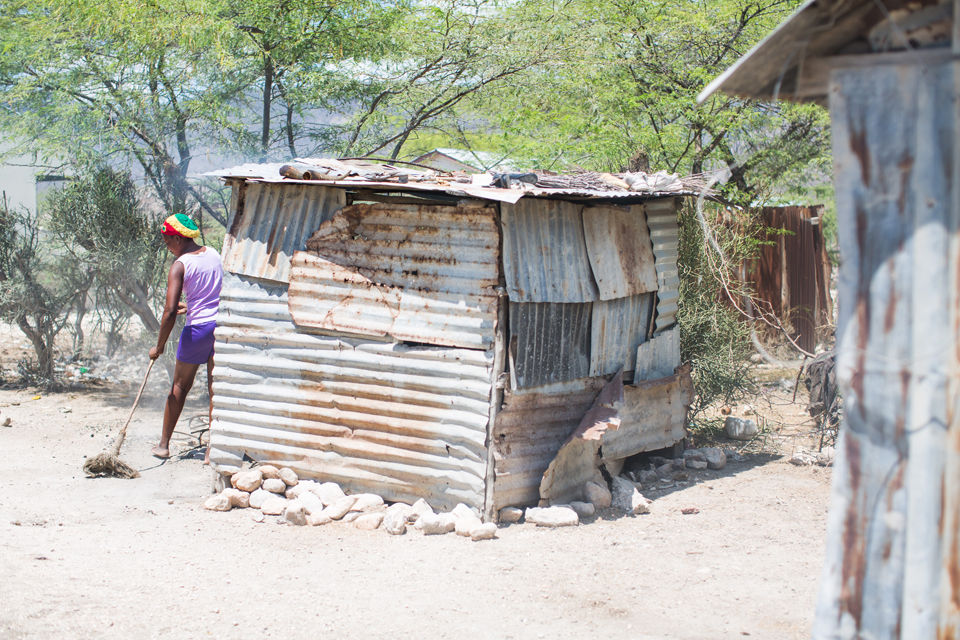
[548,343]
[544,252]
[659,356]
[654,416]
[617,328]
[414,272]
[529,431]
[621,255]
[272,221]
[403,422]
[665,234]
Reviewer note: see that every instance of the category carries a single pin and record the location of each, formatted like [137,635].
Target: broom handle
[123,432]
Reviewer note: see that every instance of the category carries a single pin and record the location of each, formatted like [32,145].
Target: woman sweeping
[197,274]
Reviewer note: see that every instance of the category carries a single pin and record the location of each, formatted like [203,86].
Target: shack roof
[794,61]
[362,174]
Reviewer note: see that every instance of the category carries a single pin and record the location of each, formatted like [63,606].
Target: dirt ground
[108,558]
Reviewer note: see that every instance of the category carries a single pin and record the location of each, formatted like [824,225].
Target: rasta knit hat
[180,225]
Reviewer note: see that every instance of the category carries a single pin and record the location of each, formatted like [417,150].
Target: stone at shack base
[466,525]
[395,521]
[218,502]
[238,499]
[419,508]
[275,485]
[258,497]
[366,502]
[597,495]
[311,503]
[552,516]
[510,515]
[295,514]
[626,498]
[274,506]
[247,480]
[317,519]
[340,508]
[436,523]
[487,531]
[583,509]
[329,492]
[716,458]
[289,476]
[268,471]
[351,516]
[463,511]
[368,521]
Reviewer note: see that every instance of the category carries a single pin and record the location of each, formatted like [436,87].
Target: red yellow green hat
[180,225]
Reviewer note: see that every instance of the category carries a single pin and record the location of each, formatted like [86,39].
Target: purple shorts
[196,343]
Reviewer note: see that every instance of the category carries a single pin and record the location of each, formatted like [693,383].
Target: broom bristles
[108,465]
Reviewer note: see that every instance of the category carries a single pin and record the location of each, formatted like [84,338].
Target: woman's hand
[181,308]
[155,352]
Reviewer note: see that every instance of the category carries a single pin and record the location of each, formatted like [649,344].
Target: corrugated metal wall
[665,234]
[275,221]
[402,422]
[617,328]
[420,273]
[549,342]
[544,252]
[618,242]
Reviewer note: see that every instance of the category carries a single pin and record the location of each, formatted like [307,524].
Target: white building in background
[466,160]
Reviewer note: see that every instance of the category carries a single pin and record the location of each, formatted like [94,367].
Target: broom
[108,463]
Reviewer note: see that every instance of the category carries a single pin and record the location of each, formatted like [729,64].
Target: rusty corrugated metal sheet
[658,356]
[664,232]
[654,416]
[621,256]
[529,430]
[270,222]
[548,342]
[544,252]
[415,272]
[403,422]
[617,328]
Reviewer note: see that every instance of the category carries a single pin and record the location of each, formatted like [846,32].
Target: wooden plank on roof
[621,255]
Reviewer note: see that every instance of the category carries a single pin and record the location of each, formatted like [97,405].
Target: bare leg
[206,456]
[183,376]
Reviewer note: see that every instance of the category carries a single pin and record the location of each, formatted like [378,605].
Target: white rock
[328,492]
[258,516]
[395,521]
[340,508]
[466,524]
[289,476]
[419,508]
[740,428]
[317,519]
[301,488]
[696,464]
[716,458]
[238,499]
[436,523]
[583,509]
[510,515]
[218,502]
[7,421]
[274,485]
[366,502]
[295,513]
[311,503]
[351,516]
[248,481]
[597,495]
[269,471]
[552,516]
[274,506]
[368,521]
[486,531]
[626,498]
[258,497]
[463,511]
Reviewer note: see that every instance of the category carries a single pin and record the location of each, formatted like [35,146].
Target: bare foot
[206,456]
[160,452]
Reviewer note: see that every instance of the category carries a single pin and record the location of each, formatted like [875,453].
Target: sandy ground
[106,558]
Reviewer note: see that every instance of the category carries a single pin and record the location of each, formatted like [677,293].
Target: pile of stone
[625,499]
[824,458]
[279,492]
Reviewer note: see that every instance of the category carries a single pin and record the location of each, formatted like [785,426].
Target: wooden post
[894,164]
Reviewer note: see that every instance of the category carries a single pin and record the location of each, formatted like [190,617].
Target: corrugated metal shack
[791,274]
[889,72]
[403,333]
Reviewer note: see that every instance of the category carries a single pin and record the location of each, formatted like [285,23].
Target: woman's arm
[170,308]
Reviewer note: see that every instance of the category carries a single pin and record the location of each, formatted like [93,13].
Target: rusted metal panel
[617,328]
[419,273]
[275,221]
[544,252]
[659,356]
[548,343]
[530,428]
[654,416]
[892,555]
[664,232]
[621,256]
[403,422]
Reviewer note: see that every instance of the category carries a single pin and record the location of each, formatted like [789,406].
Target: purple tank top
[202,278]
